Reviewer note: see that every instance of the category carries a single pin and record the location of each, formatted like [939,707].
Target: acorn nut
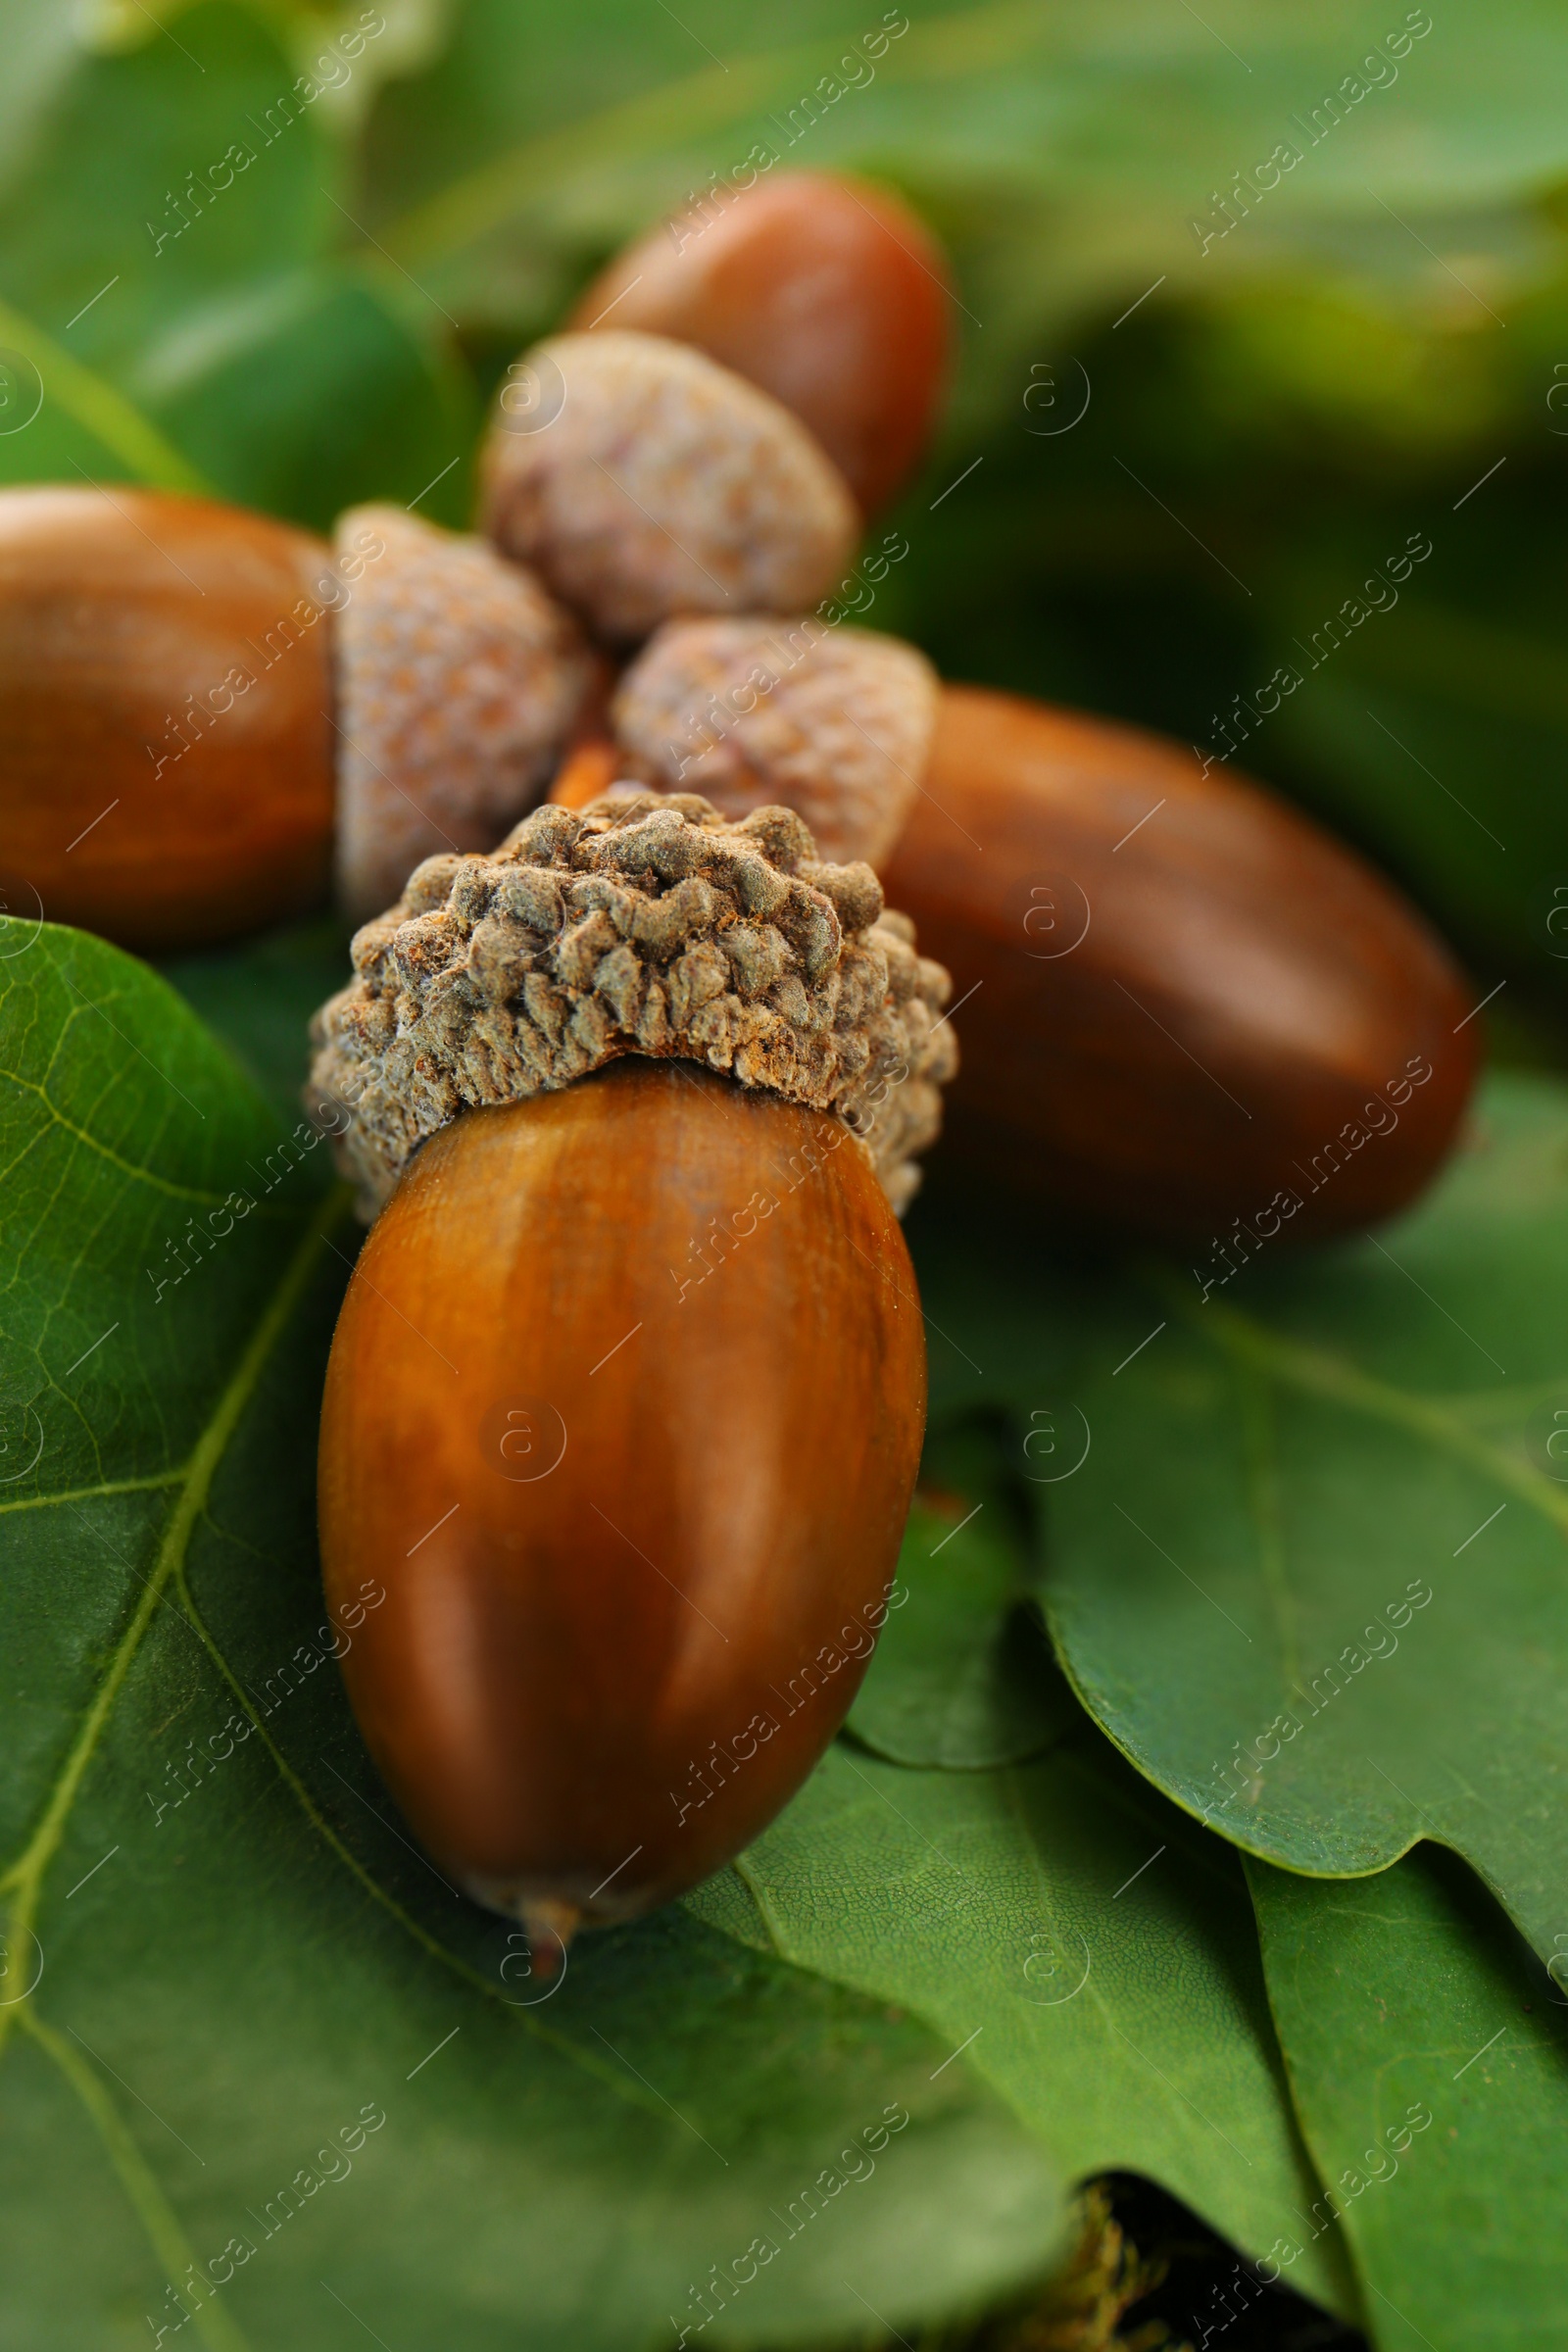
[1187,1009]
[625,1404]
[829,293]
[187,689]
[164,700]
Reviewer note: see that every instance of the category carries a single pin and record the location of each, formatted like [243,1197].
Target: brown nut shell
[1184,999]
[164,704]
[827,292]
[623,1413]
[835,723]
[641,479]
[459,680]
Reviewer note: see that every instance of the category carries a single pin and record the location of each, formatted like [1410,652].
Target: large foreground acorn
[1185,1008]
[625,1401]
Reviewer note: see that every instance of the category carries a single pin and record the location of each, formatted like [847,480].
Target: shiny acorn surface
[164,702]
[829,293]
[1180,1004]
[625,1409]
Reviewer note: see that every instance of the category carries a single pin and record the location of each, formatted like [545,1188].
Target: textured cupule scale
[645,925]
[658,482]
[836,722]
[459,680]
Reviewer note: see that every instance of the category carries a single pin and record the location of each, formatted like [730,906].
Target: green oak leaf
[128,184]
[259,2065]
[1310,1576]
[60,419]
[324,389]
[1075,159]
[170,281]
[1090,1951]
[956,1678]
[1437,740]
[258,997]
[40,47]
[1429,2061]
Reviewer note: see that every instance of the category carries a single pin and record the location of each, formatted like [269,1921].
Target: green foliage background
[1018,1857]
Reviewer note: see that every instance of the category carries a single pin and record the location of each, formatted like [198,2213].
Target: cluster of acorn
[625,1405]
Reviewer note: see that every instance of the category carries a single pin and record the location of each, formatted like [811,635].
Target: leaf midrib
[25,1877]
[138,2178]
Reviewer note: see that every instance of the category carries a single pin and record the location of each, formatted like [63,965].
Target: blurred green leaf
[1090,1953]
[1066,154]
[168,178]
[171,263]
[39,40]
[1438,739]
[36,370]
[258,999]
[1427,2055]
[318,396]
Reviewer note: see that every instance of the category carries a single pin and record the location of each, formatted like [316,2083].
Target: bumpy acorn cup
[459,680]
[625,1401]
[640,480]
[833,722]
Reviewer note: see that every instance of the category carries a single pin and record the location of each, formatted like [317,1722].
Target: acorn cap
[459,679]
[825,290]
[642,479]
[640,925]
[834,722]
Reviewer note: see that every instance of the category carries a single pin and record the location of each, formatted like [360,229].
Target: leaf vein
[26,1875]
[136,2177]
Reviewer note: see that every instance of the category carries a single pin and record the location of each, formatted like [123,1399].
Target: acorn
[164,700]
[826,292]
[194,695]
[835,723]
[1188,1013]
[640,480]
[625,1401]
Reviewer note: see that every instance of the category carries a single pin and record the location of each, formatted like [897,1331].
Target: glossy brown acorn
[165,712]
[828,293]
[1179,998]
[635,1520]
